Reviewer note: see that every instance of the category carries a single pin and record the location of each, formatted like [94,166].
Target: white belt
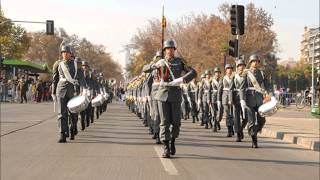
[214,90]
[226,89]
[236,90]
[206,91]
[63,79]
[251,88]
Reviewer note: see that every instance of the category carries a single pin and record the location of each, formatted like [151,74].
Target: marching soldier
[186,101]
[216,111]
[238,115]
[225,98]
[192,91]
[75,116]
[199,99]
[154,89]
[205,94]
[86,115]
[65,77]
[169,95]
[253,93]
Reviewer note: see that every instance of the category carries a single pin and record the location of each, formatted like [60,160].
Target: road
[118,147]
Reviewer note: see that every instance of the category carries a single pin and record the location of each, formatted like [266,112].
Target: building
[310,39]
[290,62]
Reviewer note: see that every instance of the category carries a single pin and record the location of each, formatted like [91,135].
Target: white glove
[219,104]
[160,63]
[54,97]
[176,82]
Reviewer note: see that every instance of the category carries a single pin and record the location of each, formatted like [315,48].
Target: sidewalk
[294,127]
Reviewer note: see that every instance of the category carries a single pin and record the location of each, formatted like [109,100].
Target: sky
[114,22]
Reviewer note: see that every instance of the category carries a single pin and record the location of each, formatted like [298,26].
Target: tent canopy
[27,65]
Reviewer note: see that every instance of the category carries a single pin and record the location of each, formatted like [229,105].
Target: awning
[27,65]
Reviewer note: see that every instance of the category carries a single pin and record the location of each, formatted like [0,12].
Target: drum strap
[256,84]
[67,73]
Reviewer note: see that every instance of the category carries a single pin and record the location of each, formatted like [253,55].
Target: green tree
[14,41]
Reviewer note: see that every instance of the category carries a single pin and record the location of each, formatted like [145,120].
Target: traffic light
[50,27]
[237,19]
[233,48]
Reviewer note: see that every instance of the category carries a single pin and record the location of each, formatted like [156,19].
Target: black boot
[238,137]
[72,135]
[254,141]
[63,138]
[83,126]
[154,136]
[218,126]
[197,118]
[206,125]
[193,119]
[166,149]
[214,128]
[173,147]
[229,132]
[210,124]
[232,131]
[76,131]
[158,139]
[241,135]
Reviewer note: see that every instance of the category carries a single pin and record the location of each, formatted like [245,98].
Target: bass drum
[268,108]
[78,104]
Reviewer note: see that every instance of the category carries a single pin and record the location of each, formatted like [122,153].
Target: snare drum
[78,104]
[97,101]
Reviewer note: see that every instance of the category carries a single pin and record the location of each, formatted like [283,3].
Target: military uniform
[205,94]
[186,101]
[225,97]
[252,98]
[63,88]
[192,91]
[169,97]
[238,115]
[154,89]
[216,111]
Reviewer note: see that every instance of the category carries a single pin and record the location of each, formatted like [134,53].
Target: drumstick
[54,106]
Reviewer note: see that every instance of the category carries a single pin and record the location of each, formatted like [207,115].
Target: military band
[233,96]
[72,78]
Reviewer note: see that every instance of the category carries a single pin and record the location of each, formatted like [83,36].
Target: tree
[202,40]
[14,42]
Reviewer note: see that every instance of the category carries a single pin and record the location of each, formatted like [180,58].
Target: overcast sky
[113,22]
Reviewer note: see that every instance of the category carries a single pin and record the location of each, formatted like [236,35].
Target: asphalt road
[118,147]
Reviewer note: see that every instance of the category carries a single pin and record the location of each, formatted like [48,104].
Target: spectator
[39,88]
[22,88]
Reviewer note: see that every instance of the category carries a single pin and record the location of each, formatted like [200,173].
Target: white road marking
[166,163]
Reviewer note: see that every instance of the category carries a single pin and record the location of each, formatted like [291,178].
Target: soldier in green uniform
[169,95]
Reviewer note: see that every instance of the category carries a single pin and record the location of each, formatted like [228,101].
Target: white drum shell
[269,108]
[78,104]
[97,101]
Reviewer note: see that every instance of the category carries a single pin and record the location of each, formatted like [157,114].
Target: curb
[310,143]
